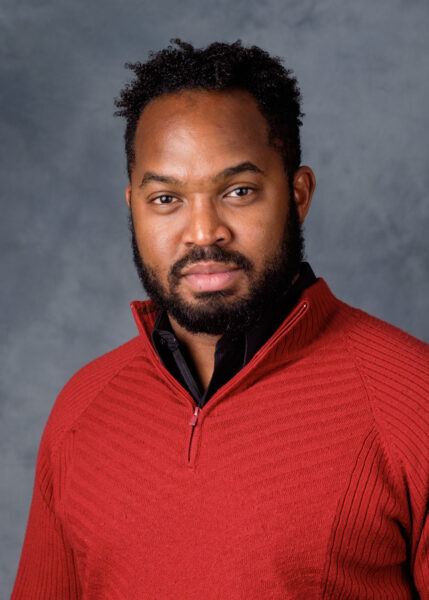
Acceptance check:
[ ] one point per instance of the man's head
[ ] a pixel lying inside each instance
(216, 197)
(219, 67)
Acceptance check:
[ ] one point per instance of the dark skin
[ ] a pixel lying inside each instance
(205, 173)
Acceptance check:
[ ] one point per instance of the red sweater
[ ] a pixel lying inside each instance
(306, 476)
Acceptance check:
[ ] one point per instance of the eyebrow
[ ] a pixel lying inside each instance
(228, 172)
(149, 176)
(241, 168)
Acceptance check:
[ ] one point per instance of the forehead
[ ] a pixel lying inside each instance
(201, 128)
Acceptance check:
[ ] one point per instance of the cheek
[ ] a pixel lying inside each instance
(155, 246)
(264, 238)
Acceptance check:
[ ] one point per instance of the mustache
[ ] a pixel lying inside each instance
(209, 253)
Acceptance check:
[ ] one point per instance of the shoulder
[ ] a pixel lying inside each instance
(393, 365)
(85, 385)
(373, 340)
(394, 368)
(384, 349)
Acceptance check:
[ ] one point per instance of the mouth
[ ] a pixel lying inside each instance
(210, 276)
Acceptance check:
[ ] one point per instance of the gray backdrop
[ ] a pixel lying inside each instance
(67, 275)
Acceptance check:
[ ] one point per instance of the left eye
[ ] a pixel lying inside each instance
(241, 191)
(164, 199)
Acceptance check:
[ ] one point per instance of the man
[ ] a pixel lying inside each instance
(259, 438)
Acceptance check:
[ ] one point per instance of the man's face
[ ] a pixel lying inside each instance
(215, 234)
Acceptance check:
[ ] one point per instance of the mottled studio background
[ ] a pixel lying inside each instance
(67, 275)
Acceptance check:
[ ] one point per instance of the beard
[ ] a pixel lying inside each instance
(216, 312)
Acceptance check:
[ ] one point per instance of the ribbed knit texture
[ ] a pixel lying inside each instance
(306, 476)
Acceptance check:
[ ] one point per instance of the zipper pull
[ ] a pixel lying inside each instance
(194, 418)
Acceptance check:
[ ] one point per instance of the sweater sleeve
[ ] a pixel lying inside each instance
(46, 569)
(395, 368)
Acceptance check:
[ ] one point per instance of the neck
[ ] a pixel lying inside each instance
(201, 348)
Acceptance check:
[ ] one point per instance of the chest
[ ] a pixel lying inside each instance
(248, 499)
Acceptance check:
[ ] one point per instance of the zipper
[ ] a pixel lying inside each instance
(193, 423)
(182, 393)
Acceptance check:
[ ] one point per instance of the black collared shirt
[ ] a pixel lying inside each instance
(232, 352)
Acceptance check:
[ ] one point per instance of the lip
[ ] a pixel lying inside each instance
(209, 268)
(210, 277)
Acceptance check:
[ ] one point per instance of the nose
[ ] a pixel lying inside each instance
(205, 225)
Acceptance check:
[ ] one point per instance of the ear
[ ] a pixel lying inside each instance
(304, 184)
(128, 195)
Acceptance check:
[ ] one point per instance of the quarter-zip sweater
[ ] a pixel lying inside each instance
(305, 476)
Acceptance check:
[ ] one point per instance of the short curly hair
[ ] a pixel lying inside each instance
(218, 67)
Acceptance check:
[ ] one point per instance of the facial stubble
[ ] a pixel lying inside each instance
(217, 312)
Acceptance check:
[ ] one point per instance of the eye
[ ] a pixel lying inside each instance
(240, 192)
(164, 199)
